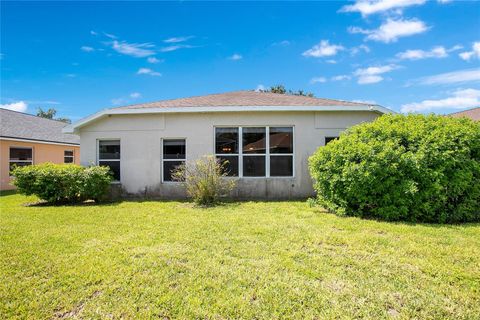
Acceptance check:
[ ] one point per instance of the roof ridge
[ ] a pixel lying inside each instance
(32, 115)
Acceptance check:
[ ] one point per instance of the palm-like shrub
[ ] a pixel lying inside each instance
(204, 179)
(412, 168)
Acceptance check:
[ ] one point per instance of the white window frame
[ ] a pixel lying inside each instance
(267, 153)
(16, 161)
(72, 156)
(167, 160)
(119, 160)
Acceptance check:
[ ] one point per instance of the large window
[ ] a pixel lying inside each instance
(255, 151)
(20, 157)
(68, 156)
(174, 154)
(109, 155)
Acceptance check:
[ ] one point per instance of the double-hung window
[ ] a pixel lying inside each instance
(255, 151)
(109, 155)
(20, 156)
(174, 154)
(68, 156)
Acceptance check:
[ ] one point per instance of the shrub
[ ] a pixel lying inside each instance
(412, 168)
(62, 183)
(204, 180)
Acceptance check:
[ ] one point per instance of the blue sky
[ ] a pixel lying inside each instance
(408, 55)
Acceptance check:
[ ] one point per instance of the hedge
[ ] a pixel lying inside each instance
(63, 183)
(412, 168)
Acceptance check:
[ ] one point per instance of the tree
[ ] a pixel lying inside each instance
(280, 89)
(50, 114)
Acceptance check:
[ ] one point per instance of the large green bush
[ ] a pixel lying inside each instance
(63, 183)
(411, 168)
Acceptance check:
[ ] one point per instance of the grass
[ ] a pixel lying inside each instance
(245, 260)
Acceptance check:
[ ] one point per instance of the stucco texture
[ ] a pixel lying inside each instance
(141, 140)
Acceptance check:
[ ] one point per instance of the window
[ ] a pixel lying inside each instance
(68, 156)
(109, 155)
(281, 151)
(329, 139)
(255, 151)
(174, 154)
(20, 157)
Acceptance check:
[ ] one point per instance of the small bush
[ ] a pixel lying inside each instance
(204, 180)
(412, 168)
(62, 183)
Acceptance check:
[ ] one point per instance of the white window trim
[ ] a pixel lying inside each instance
(16, 161)
(119, 160)
(267, 155)
(72, 156)
(167, 160)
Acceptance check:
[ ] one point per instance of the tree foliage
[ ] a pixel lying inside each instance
(280, 89)
(413, 168)
(50, 114)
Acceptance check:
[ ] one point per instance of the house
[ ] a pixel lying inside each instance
(267, 139)
(473, 114)
(26, 139)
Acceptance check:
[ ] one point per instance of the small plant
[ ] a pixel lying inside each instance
(204, 179)
(62, 183)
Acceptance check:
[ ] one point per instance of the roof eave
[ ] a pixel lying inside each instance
(73, 128)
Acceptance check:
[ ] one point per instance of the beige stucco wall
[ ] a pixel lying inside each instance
(41, 152)
(141, 135)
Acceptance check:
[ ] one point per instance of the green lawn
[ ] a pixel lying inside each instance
(247, 260)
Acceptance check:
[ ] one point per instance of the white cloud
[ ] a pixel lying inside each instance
(323, 49)
(474, 53)
(341, 77)
(318, 80)
(19, 106)
(373, 74)
(111, 36)
(138, 50)
(392, 30)
(460, 76)
(283, 43)
(444, 1)
(367, 7)
(135, 95)
(123, 100)
(176, 47)
(177, 39)
(87, 48)
(148, 71)
(93, 33)
(153, 60)
(356, 50)
(260, 87)
(459, 99)
(331, 61)
(436, 52)
(235, 56)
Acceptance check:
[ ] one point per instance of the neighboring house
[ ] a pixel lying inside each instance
(473, 114)
(26, 139)
(266, 137)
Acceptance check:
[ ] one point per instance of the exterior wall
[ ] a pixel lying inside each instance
(42, 152)
(141, 139)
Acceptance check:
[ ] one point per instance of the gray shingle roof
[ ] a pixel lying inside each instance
(26, 126)
(244, 98)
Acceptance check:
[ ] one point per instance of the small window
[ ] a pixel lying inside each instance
(281, 151)
(109, 155)
(254, 140)
(329, 139)
(20, 157)
(68, 156)
(227, 149)
(174, 154)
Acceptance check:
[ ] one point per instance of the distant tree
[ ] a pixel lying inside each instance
(50, 114)
(280, 88)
